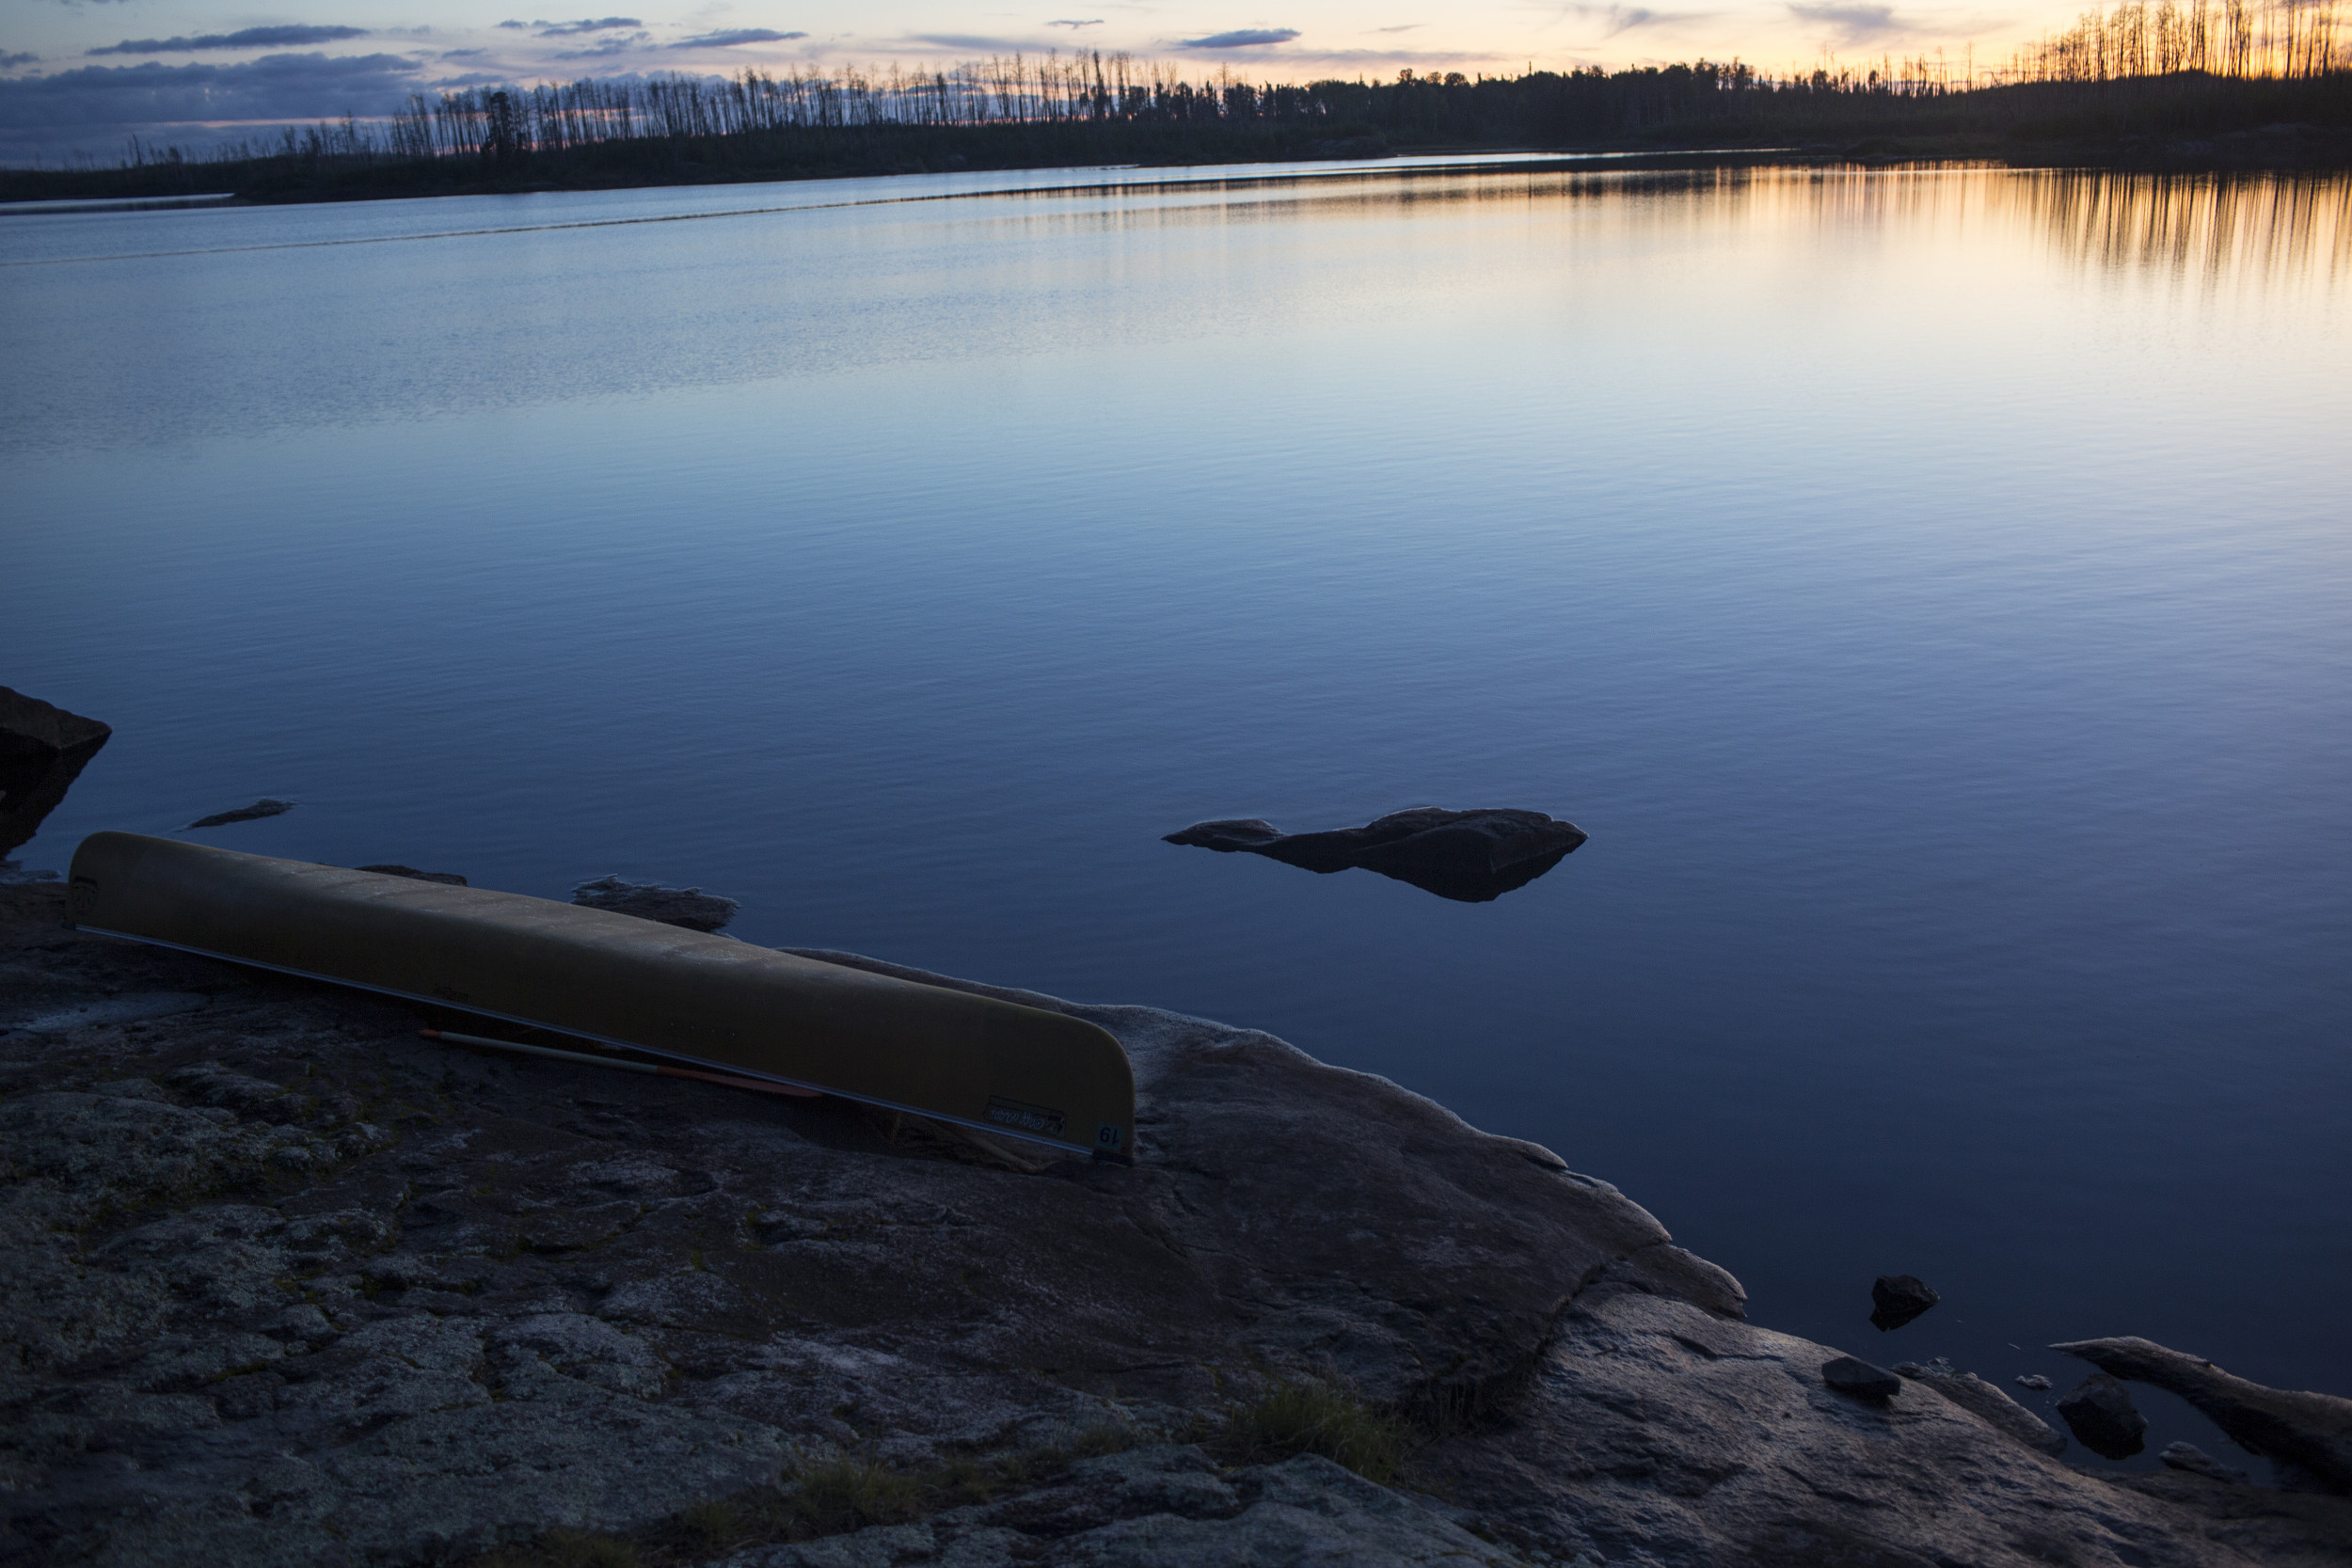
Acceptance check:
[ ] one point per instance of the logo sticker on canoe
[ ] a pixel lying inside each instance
(1034, 1119)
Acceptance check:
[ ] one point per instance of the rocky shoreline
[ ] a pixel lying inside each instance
(285, 1283)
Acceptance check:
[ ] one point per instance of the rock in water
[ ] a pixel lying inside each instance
(1850, 1374)
(2032, 1380)
(2308, 1433)
(2102, 1416)
(1469, 856)
(2197, 1462)
(259, 809)
(689, 907)
(449, 877)
(1898, 1298)
(43, 749)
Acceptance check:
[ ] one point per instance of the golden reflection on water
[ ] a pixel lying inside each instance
(2199, 229)
(2195, 228)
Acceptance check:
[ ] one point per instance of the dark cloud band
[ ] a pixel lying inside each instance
(252, 37)
(1241, 38)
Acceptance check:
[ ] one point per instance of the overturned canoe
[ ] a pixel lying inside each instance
(694, 997)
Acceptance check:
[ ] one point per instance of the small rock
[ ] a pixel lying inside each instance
(451, 878)
(689, 907)
(1898, 1298)
(2197, 1462)
(2100, 1412)
(2032, 1380)
(1468, 856)
(1851, 1375)
(263, 807)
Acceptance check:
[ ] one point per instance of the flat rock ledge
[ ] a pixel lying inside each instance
(281, 1283)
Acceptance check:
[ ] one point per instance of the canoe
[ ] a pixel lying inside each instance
(689, 996)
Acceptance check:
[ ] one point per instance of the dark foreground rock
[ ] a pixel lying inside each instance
(254, 812)
(283, 1284)
(2308, 1433)
(1898, 1298)
(43, 749)
(689, 907)
(2100, 1413)
(1470, 856)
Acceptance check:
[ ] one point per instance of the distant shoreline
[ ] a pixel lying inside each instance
(2188, 123)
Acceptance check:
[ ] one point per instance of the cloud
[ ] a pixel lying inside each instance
(976, 42)
(10, 61)
(733, 35)
(1852, 23)
(252, 37)
(1089, 22)
(1241, 38)
(273, 88)
(1616, 18)
(572, 29)
(602, 48)
(1402, 27)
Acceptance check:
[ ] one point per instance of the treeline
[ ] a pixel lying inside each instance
(1095, 109)
(2243, 40)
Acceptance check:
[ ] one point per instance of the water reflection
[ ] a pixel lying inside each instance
(2208, 229)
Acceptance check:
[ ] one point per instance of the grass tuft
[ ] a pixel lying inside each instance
(1323, 1417)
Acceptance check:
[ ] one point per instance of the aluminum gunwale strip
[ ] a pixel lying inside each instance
(988, 1127)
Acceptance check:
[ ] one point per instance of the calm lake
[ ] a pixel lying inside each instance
(1931, 589)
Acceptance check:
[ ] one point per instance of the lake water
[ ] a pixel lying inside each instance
(1932, 589)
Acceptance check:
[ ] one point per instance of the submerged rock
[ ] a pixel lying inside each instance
(689, 907)
(43, 749)
(1469, 856)
(2100, 1412)
(449, 877)
(2312, 1433)
(259, 809)
(1898, 1298)
(1851, 1374)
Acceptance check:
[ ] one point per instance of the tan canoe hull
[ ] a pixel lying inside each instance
(1009, 1069)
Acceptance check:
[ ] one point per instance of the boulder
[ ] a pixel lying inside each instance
(689, 907)
(2310, 1432)
(1470, 856)
(2100, 1412)
(1898, 1298)
(2032, 1380)
(43, 749)
(1851, 1374)
(254, 812)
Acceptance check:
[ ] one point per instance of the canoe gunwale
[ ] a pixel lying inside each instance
(993, 1129)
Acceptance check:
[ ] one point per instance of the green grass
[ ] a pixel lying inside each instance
(829, 1497)
(1323, 1417)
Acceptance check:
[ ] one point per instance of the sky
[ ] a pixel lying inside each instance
(83, 74)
